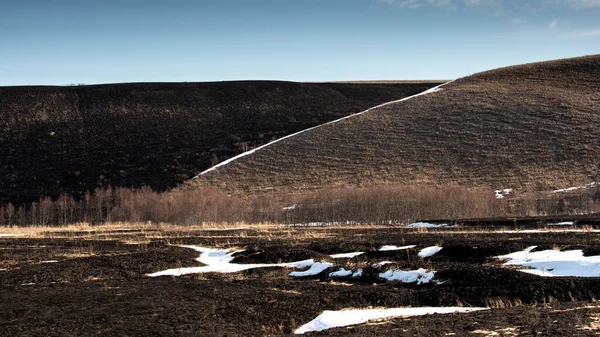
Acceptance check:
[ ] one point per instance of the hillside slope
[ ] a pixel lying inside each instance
(73, 139)
(534, 127)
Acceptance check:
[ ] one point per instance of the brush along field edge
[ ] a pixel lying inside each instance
(225, 162)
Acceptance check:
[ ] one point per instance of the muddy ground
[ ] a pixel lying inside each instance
(99, 287)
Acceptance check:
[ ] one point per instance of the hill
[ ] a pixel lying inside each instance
(72, 139)
(528, 127)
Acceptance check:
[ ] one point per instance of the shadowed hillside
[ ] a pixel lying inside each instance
(533, 127)
(73, 139)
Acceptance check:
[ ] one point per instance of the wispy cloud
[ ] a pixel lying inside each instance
(519, 21)
(553, 24)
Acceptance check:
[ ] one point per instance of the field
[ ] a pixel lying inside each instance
(86, 280)
(528, 127)
(403, 208)
(74, 139)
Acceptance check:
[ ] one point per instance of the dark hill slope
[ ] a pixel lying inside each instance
(534, 126)
(72, 139)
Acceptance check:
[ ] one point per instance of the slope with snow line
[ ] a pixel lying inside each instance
(225, 162)
(527, 127)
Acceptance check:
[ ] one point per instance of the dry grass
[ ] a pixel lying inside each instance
(528, 127)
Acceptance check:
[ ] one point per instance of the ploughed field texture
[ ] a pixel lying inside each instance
(534, 127)
(73, 139)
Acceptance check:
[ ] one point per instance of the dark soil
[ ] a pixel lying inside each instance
(73, 139)
(99, 287)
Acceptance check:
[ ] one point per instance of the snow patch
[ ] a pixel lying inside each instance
(346, 255)
(427, 225)
(341, 273)
(429, 251)
(382, 263)
(332, 319)
(420, 276)
(501, 193)
(563, 223)
(358, 273)
(552, 263)
(289, 208)
(575, 188)
(218, 261)
(315, 269)
(388, 248)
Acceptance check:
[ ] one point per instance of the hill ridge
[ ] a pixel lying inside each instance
(72, 139)
(221, 164)
(532, 127)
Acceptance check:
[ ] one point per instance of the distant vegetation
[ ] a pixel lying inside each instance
(74, 139)
(373, 205)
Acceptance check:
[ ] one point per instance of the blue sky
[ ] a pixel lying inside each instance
(106, 41)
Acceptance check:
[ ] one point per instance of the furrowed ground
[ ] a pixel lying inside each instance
(529, 127)
(82, 281)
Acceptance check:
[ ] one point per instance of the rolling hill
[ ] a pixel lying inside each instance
(73, 139)
(529, 127)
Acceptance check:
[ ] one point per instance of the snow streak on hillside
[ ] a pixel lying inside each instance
(225, 162)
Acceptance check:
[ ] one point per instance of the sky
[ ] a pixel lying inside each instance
(63, 42)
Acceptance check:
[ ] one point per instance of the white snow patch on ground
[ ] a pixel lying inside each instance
(408, 276)
(427, 225)
(346, 255)
(563, 223)
(332, 319)
(6, 235)
(218, 261)
(555, 263)
(574, 188)
(388, 248)
(429, 251)
(501, 193)
(225, 162)
(315, 269)
(50, 261)
(382, 263)
(341, 273)
(288, 208)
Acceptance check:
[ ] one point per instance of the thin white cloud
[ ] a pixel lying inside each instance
(519, 21)
(553, 24)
